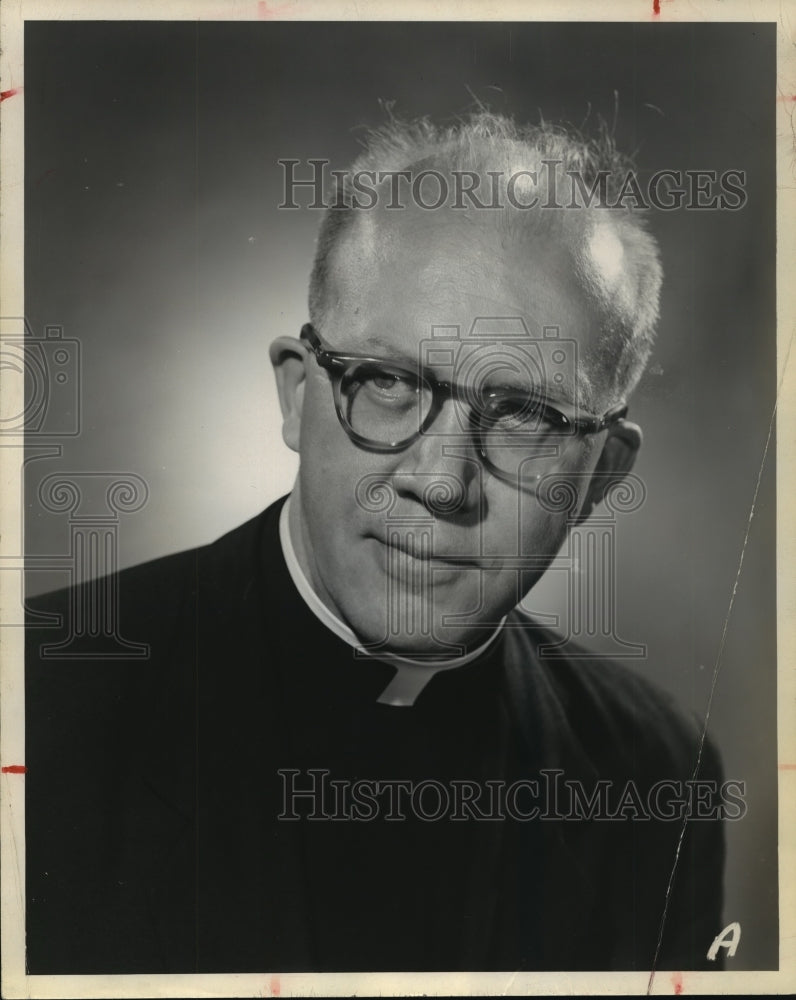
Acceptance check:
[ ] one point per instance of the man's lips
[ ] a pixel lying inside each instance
(412, 547)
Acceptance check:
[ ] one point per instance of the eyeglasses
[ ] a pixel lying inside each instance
(386, 405)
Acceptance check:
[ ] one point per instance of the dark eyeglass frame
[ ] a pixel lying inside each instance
(338, 364)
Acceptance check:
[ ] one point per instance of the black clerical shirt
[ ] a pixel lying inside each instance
(170, 800)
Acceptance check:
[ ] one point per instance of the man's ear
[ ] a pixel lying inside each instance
(288, 356)
(616, 460)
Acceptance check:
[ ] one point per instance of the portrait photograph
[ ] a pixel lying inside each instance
(396, 588)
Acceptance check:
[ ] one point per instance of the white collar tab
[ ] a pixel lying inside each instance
(411, 676)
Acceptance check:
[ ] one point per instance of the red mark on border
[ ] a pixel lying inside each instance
(275, 986)
(787, 97)
(14, 769)
(677, 983)
(787, 767)
(265, 13)
(656, 7)
(5, 94)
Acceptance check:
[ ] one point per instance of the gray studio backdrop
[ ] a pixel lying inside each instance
(154, 240)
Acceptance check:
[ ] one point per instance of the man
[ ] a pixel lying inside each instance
(269, 790)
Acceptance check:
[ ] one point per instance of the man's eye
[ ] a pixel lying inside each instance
(506, 408)
(391, 383)
(388, 388)
(387, 383)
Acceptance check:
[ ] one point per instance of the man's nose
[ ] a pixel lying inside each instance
(441, 469)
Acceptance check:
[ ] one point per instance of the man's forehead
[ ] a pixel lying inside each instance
(398, 287)
(433, 252)
(498, 337)
(442, 260)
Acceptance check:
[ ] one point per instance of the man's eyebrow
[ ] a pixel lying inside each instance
(579, 393)
(576, 392)
(389, 351)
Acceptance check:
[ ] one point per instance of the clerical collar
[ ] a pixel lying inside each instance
(411, 675)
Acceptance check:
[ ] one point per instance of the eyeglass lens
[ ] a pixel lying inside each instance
(387, 405)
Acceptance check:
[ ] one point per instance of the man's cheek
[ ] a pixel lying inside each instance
(543, 536)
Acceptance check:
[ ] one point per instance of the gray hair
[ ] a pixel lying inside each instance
(626, 296)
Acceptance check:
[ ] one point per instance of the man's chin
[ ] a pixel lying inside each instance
(441, 642)
(417, 609)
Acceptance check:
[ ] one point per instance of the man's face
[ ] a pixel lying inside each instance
(424, 550)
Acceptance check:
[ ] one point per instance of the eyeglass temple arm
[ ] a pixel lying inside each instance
(324, 358)
(308, 333)
(609, 418)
